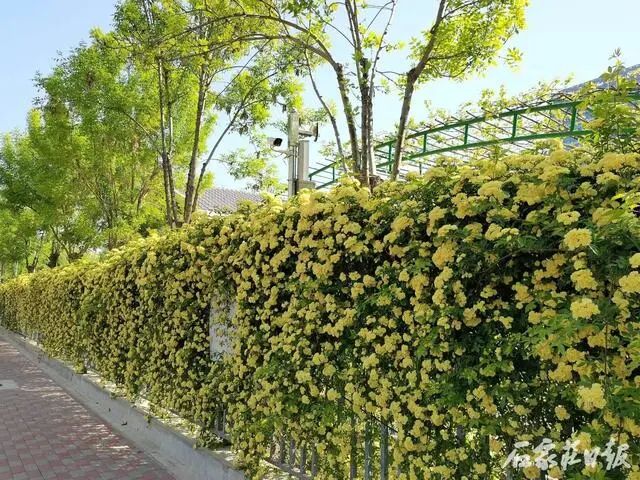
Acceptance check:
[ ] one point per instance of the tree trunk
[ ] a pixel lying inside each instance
(351, 124)
(402, 125)
(189, 195)
(54, 256)
(171, 213)
(412, 77)
(163, 156)
(205, 164)
(366, 127)
(169, 117)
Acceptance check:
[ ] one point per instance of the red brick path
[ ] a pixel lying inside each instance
(46, 434)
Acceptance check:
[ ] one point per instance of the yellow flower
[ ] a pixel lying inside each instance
(578, 237)
(583, 280)
(607, 177)
(328, 370)
(441, 280)
(551, 173)
(480, 468)
(634, 261)
(630, 283)
(584, 441)
(470, 317)
(591, 398)
(318, 359)
(534, 317)
(493, 232)
(332, 395)
(555, 472)
(303, 376)
(561, 413)
(531, 193)
(401, 223)
(531, 472)
(572, 355)
(419, 282)
(521, 410)
(444, 230)
(495, 445)
(597, 340)
(567, 218)
(584, 308)
(369, 281)
(612, 161)
(522, 293)
(463, 205)
(492, 189)
(562, 373)
(631, 426)
(435, 215)
(444, 254)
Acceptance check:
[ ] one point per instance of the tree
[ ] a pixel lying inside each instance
(23, 243)
(140, 27)
(220, 87)
(33, 181)
(92, 106)
(464, 38)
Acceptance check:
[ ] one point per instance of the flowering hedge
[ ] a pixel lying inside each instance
(468, 309)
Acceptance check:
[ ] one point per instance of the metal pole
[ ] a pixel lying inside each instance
(292, 154)
(303, 161)
(293, 135)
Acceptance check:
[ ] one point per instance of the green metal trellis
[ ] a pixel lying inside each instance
(557, 118)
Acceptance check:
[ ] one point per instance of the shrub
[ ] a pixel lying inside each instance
(468, 309)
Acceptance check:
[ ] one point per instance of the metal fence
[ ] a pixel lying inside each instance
(370, 439)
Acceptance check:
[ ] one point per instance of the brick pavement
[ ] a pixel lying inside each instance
(46, 434)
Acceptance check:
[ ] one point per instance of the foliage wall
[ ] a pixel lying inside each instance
(467, 309)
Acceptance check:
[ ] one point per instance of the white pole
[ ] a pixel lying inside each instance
(303, 161)
(293, 128)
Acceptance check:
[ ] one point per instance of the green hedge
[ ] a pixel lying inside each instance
(139, 318)
(468, 309)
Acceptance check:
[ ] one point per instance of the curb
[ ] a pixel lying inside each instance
(169, 447)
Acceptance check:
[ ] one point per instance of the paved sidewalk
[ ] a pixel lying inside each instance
(46, 434)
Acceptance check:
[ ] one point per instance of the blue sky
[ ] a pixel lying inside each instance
(563, 37)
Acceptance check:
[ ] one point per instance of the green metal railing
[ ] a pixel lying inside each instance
(558, 118)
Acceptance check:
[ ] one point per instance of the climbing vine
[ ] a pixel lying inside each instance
(474, 307)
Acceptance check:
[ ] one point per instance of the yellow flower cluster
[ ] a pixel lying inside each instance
(583, 279)
(577, 238)
(591, 398)
(630, 283)
(568, 218)
(584, 308)
(467, 309)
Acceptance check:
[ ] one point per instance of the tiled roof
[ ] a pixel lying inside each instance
(221, 200)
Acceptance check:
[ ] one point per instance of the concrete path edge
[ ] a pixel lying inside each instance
(172, 449)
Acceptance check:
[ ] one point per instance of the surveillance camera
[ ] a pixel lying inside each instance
(275, 142)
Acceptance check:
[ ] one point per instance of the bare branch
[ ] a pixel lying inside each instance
(320, 50)
(381, 9)
(243, 104)
(382, 37)
(332, 118)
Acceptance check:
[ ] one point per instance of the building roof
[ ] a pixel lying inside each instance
(628, 72)
(225, 200)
